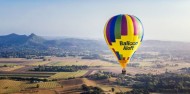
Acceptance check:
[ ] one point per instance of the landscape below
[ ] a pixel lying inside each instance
(33, 64)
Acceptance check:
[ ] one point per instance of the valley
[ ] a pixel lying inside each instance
(65, 82)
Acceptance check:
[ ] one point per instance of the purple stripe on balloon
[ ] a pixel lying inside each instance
(124, 25)
(108, 32)
(134, 25)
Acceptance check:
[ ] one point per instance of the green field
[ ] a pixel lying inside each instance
(63, 75)
(58, 75)
(39, 63)
(80, 63)
(8, 64)
(41, 85)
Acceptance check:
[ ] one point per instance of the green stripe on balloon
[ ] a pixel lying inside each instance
(121, 57)
(118, 27)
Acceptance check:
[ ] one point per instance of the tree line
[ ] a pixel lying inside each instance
(72, 68)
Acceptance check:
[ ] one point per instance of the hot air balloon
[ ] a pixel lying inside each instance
(123, 35)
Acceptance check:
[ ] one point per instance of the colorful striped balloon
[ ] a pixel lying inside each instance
(123, 34)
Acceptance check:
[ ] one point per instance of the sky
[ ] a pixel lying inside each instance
(162, 19)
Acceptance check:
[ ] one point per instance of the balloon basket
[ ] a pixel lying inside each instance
(123, 71)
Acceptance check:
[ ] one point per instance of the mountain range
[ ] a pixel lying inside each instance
(33, 40)
(36, 45)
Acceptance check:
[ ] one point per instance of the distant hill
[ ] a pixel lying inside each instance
(12, 39)
(21, 45)
(34, 40)
(177, 45)
(17, 40)
(165, 46)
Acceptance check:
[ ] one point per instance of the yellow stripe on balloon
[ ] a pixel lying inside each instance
(130, 28)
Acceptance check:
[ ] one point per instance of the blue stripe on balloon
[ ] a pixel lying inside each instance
(132, 55)
(112, 29)
(142, 35)
(117, 53)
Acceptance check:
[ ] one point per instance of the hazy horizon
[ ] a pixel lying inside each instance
(162, 20)
(70, 37)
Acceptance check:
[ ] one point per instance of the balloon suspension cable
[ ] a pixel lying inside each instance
(123, 71)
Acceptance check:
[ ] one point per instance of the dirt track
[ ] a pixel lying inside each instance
(88, 73)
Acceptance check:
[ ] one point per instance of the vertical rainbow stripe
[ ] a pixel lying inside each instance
(117, 27)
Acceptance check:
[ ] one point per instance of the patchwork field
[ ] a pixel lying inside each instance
(11, 86)
(63, 86)
(73, 85)
(20, 68)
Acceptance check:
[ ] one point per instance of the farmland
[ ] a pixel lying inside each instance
(43, 85)
(107, 88)
(20, 68)
(11, 86)
(20, 65)
(77, 61)
(70, 82)
(8, 64)
(10, 68)
(39, 63)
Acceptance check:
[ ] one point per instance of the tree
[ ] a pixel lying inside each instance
(5, 66)
(37, 86)
(85, 87)
(112, 89)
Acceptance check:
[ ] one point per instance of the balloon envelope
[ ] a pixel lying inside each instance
(123, 34)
